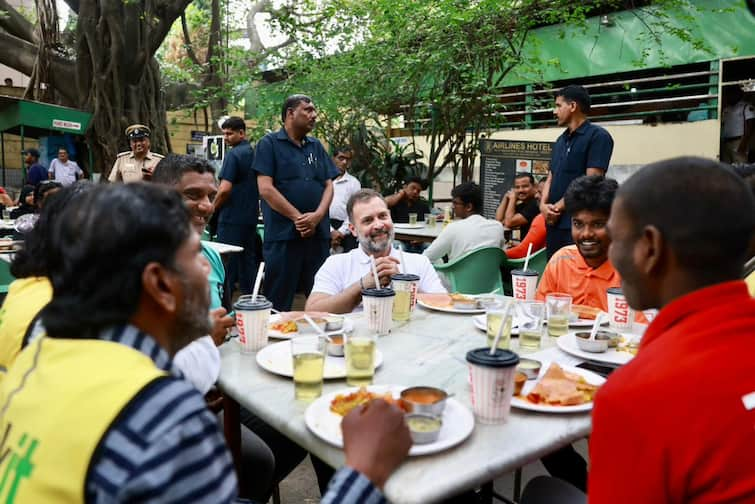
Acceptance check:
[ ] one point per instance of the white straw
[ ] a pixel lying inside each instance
(314, 326)
(260, 272)
(402, 265)
(500, 328)
(527, 261)
(596, 324)
(374, 272)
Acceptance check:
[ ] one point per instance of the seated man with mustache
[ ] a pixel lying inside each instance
(583, 270)
(339, 282)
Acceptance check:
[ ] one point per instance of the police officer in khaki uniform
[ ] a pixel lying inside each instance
(139, 163)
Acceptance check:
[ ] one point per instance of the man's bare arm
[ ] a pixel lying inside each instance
(344, 302)
(595, 171)
(395, 199)
(224, 192)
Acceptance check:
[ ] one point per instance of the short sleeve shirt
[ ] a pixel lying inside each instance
(65, 173)
(129, 169)
(299, 173)
(36, 175)
(589, 146)
(529, 210)
(400, 212)
(242, 206)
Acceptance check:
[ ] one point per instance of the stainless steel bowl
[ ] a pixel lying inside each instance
(423, 428)
(435, 407)
(334, 322)
(335, 348)
(597, 345)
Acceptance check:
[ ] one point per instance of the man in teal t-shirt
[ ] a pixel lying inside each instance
(194, 178)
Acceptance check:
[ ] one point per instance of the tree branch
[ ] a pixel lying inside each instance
(17, 25)
(165, 13)
(187, 41)
(21, 55)
(73, 5)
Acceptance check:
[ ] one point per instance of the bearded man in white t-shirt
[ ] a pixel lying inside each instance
(339, 282)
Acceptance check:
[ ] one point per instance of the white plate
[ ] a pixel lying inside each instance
(276, 358)
(591, 378)
(568, 343)
(449, 309)
(348, 326)
(458, 421)
(397, 225)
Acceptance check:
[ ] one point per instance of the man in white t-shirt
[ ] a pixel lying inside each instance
(339, 282)
(64, 170)
(341, 239)
(470, 231)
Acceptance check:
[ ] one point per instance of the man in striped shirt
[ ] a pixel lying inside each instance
(120, 423)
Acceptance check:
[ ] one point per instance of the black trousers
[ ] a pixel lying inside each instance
(290, 267)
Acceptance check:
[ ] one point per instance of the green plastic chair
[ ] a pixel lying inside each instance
(5, 277)
(476, 272)
(538, 260)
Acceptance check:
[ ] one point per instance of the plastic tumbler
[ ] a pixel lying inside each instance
(251, 321)
(378, 308)
(492, 379)
(405, 287)
(524, 284)
(620, 315)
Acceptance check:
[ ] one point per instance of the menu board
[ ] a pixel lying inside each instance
(500, 160)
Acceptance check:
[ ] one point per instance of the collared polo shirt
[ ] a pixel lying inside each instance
(568, 272)
(243, 204)
(589, 146)
(299, 172)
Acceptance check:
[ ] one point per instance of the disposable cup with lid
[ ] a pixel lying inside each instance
(524, 283)
(252, 316)
(492, 379)
(378, 308)
(405, 286)
(620, 315)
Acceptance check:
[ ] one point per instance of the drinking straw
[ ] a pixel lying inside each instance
(402, 264)
(596, 324)
(500, 328)
(314, 326)
(374, 272)
(527, 260)
(260, 272)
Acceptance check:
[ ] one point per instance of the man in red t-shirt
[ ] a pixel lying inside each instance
(677, 424)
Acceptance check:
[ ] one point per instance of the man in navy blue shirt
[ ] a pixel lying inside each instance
(295, 178)
(583, 149)
(237, 203)
(35, 172)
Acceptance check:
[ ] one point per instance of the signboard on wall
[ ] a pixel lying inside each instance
(500, 160)
(214, 147)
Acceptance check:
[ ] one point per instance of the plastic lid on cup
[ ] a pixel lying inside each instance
(501, 358)
(384, 292)
(405, 277)
(615, 290)
(246, 304)
(523, 272)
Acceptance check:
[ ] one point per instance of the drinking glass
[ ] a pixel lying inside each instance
(308, 353)
(359, 349)
(530, 315)
(494, 319)
(558, 306)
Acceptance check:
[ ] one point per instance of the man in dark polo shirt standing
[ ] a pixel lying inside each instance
(295, 178)
(237, 204)
(583, 149)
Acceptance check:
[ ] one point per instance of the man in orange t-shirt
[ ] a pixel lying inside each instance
(583, 270)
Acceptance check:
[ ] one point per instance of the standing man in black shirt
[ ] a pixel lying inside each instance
(519, 205)
(582, 149)
(237, 204)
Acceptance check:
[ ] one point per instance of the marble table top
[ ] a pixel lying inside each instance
(428, 350)
(424, 232)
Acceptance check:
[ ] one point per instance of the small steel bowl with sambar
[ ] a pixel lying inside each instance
(425, 400)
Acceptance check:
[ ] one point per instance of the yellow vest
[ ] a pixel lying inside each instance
(69, 394)
(26, 297)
